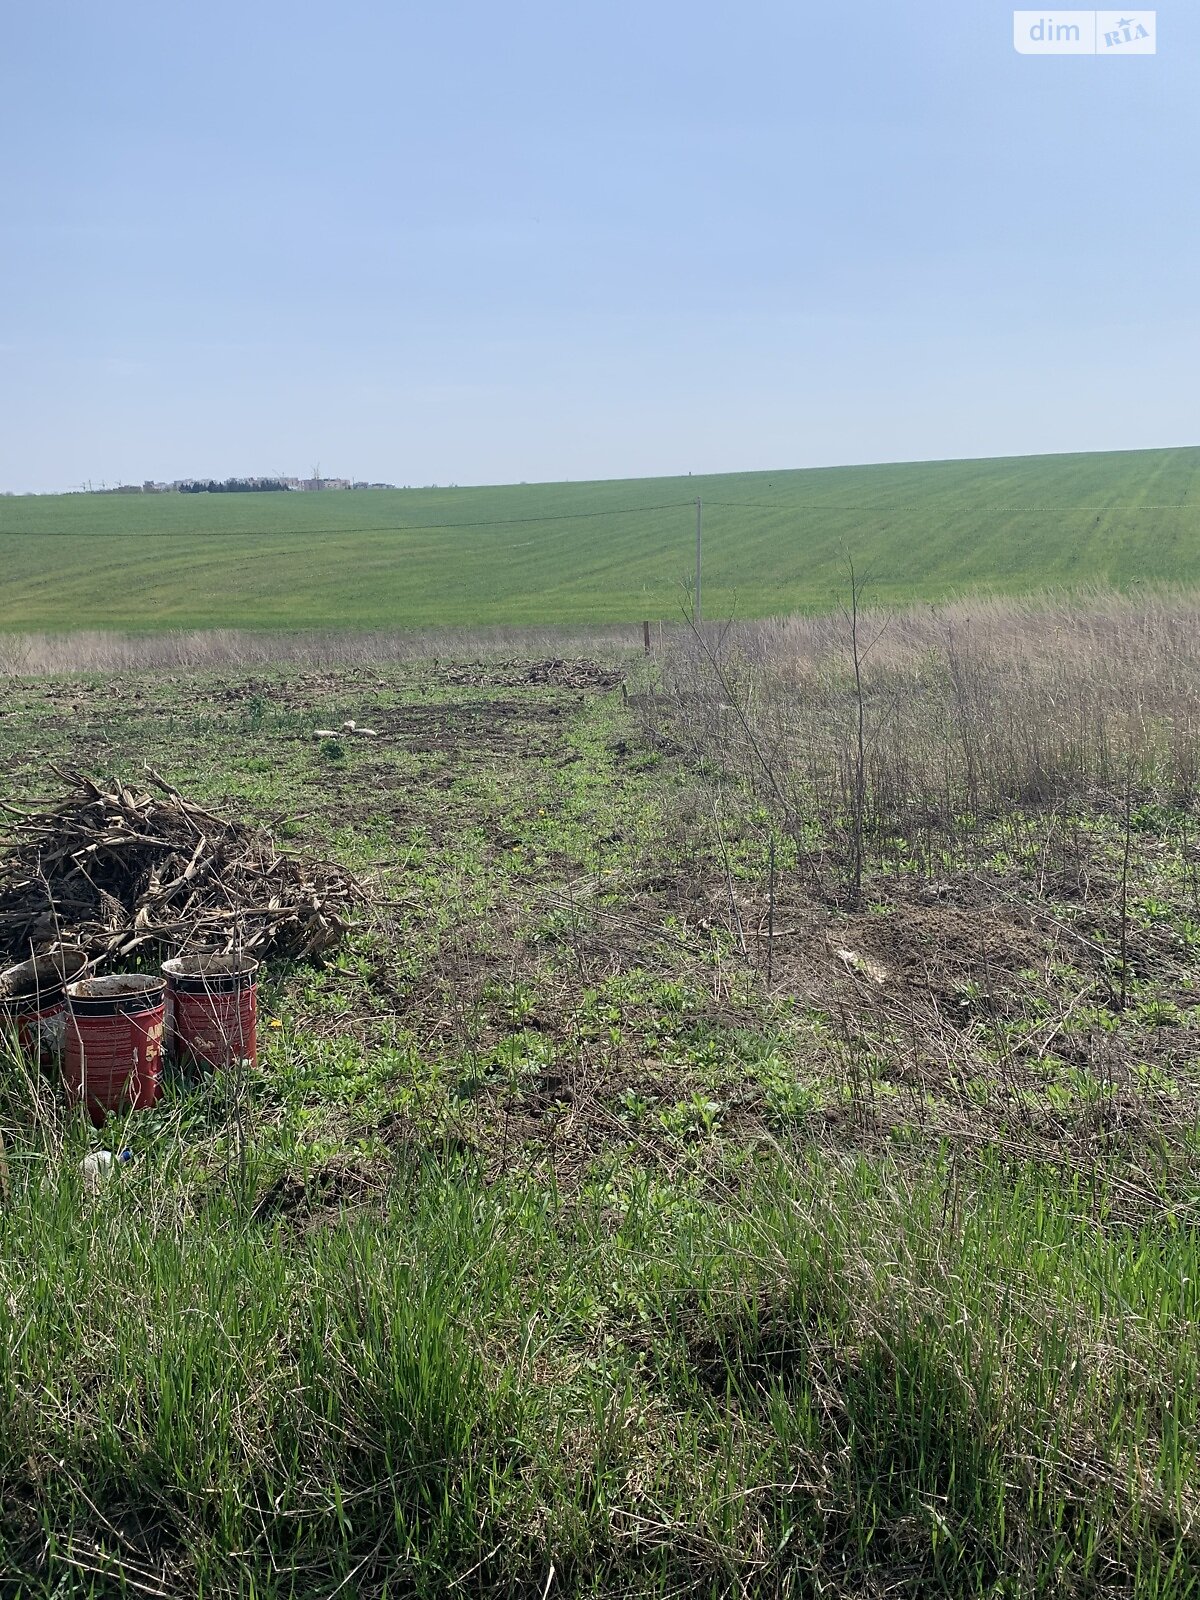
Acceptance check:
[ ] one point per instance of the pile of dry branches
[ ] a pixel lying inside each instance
(115, 870)
(553, 671)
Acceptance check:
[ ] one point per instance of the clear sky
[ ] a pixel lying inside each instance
(467, 242)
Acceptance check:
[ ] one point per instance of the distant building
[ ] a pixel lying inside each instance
(272, 480)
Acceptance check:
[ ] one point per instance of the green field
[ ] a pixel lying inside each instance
(579, 553)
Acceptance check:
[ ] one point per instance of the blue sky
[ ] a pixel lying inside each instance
(465, 242)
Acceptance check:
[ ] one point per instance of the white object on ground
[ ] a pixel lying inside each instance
(346, 727)
(96, 1167)
(874, 970)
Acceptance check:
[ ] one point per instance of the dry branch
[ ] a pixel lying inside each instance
(114, 870)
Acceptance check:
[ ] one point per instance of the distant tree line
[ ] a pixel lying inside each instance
(233, 486)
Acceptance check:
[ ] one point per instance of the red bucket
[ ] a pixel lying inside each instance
(113, 1055)
(33, 1003)
(212, 1010)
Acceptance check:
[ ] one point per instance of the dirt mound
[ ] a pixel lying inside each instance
(940, 947)
(113, 869)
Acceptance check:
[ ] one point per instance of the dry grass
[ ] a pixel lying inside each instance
(978, 855)
(31, 655)
(966, 709)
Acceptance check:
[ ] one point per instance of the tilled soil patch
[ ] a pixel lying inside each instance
(559, 674)
(528, 727)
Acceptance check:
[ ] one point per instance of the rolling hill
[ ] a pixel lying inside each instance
(615, 551)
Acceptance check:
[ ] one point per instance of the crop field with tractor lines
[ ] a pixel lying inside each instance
(747, 1143)
(573, 554)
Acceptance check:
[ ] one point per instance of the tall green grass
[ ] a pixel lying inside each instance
(840, 1377)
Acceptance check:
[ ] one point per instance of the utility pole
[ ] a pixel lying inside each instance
(699, 547)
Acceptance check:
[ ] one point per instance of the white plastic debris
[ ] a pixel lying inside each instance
(864, 965)
(346, 727)
(97, 1166)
